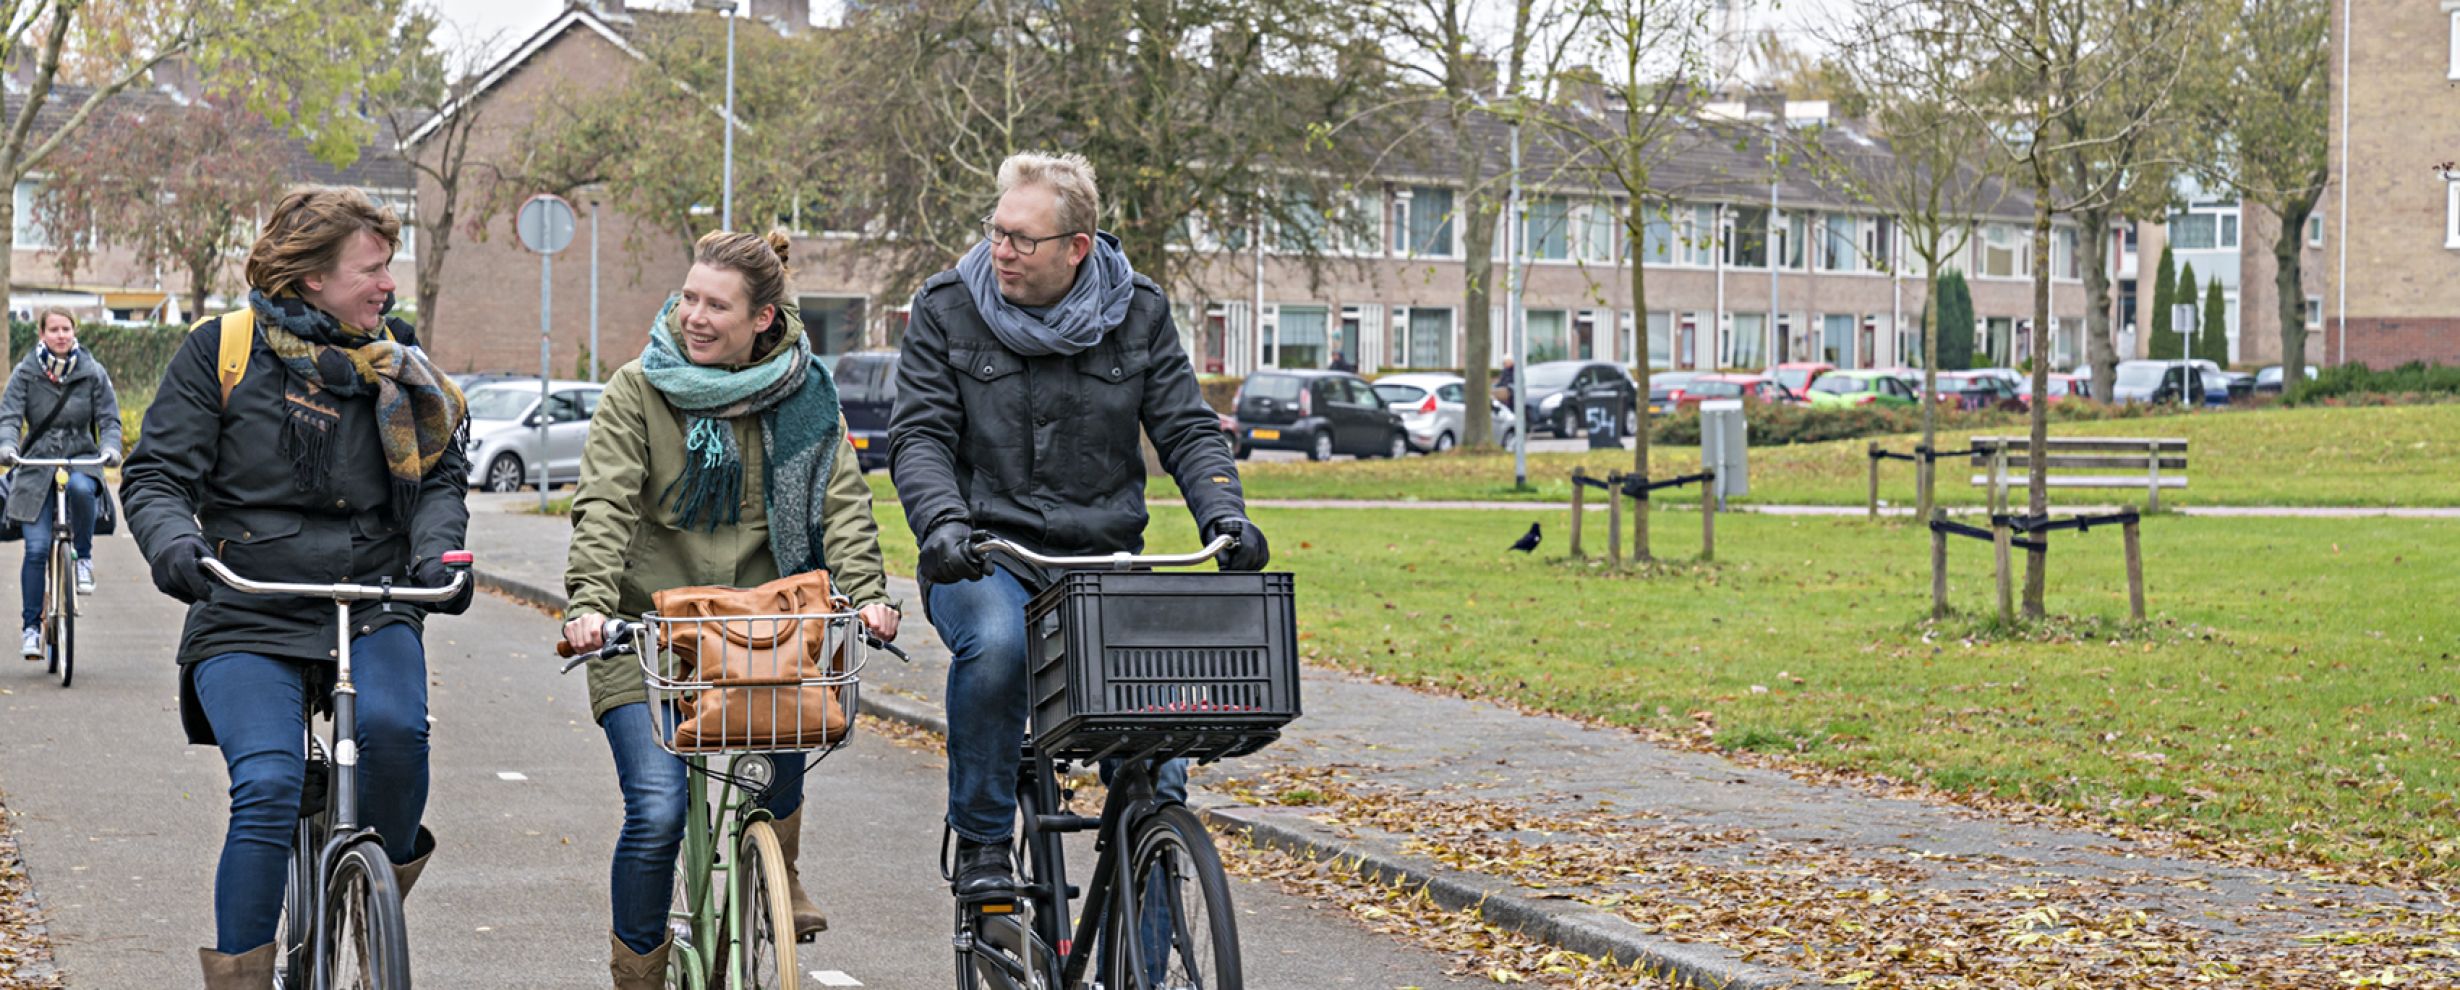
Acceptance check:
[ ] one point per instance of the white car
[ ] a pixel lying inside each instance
(504, 441)
(1433, 411)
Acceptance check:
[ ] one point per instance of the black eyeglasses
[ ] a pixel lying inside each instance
(1023, 244)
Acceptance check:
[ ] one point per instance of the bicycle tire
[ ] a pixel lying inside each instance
(294, 932)
(363, 943)
(764, 912)
(66, 647)
(1171, 858)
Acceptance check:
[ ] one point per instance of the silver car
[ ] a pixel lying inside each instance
(1433, 412)
(505, 445)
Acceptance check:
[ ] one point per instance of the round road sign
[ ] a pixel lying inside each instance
(545, 223)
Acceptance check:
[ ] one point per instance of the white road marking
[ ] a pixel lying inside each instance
(834, 978)
(510, 775)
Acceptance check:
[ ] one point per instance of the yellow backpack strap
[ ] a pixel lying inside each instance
(238, 336)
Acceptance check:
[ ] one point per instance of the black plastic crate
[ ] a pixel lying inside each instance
(1196, 664)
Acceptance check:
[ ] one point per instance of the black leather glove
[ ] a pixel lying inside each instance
(178, 571)
(1251, 554)
(431, 573)
(948, 555)
(111, 458)
(8, 457)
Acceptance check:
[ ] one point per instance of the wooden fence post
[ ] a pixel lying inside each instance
(2135, 573)
(1614, 520)
(1938, 567)
(1874, 455)
(1708, 517)
(1998, 479)
(1579, 509)
(2000, 537)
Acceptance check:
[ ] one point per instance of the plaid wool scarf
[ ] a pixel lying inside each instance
(418, 410)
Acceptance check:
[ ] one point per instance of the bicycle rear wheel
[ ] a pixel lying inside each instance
(296, 931)
(763, 914)
(364, 944)
(1179, 932)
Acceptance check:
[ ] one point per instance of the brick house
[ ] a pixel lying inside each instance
(2396, 296)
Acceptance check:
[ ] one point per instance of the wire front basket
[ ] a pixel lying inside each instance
(754, 684)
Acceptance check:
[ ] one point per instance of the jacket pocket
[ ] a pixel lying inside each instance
(259, 545)
(998, 436)
(1112, 380)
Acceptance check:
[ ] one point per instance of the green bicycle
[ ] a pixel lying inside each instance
(732, 922)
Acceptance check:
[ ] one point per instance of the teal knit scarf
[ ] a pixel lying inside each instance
(796, 401)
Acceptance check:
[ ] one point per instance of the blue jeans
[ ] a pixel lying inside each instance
(82, 490)
(983, 623)
(258, 707)
(641, 881)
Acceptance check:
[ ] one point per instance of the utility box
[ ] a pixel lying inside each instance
(1725, 446)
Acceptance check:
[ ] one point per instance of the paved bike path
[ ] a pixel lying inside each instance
(1761, 826)
(120, 823)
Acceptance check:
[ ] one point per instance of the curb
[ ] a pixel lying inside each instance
(1575, 928)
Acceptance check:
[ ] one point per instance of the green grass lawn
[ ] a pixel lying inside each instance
(2296, 688)
(2372, 456)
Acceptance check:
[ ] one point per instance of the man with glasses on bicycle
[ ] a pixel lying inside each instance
(1028, 372)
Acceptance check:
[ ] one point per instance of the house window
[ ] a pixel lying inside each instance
(1657, 237)
(1299, 342)
(1746, 237)
(1701, 236)
(1661, 343)
(2000, 252)
(1595, 232)
(1361, 229)
(2192, 231)
(2452, 10)
(2229, 231)
(1793, 235)
(2314, 230)
(2063, 253)
(1430, 223)
(1836, 252)
(2314, 312)
(1304, 226)
(1430, 337)
(1547, 228)
(1836, 339)
(1741, 346)
(1879, 243)
(30, 235)
(1549, 335)
(2451, 213)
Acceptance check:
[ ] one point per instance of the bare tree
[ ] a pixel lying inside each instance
(431, 117)
(2267, 97)
(1924, 177)
(178, 186)
(1625, 114)
(2054, 80)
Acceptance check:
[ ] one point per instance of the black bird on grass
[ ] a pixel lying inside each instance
(1529, 540)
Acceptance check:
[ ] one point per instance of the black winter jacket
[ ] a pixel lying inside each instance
(1043, 450)
(205, 468)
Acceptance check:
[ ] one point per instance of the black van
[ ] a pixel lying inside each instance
(867, 390)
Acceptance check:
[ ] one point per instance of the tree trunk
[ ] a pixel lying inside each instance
(1470, 214)
(1926, 478)
(2289, 280)
(1635, 223)
(2100, 334)
(2037, 485)
(8, 259)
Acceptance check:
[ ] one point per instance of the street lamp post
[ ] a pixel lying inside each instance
(726, 199)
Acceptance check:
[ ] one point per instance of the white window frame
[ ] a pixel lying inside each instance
(2314, 229)
(2314, 312)
(2451, 10)
(2451, 214)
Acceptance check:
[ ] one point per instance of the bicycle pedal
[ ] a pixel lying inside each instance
(994, 905)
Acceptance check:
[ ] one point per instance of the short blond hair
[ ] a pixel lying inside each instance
(1069, 176)
(307, 232)
(42, 320)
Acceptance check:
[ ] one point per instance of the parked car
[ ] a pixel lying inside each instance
(2062, 388)
(1796, 376)
(1434, 410)
(1705, 387)
(1665, 387)
(866, 391)
(2222, 388)
(503, 439)
(2268, 379)
(1840, 389)
(1566, 396)
(2160, 381)
(1978, 390)
(1320, 412)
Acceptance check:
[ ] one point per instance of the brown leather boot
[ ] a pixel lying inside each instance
(808, 921)
(406, 875)
(250, 970)
(634, 971)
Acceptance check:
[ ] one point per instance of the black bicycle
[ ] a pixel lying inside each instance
(1131, 669)
(60, 609)
(341, 921)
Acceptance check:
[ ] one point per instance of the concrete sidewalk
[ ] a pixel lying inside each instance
(1702, 869)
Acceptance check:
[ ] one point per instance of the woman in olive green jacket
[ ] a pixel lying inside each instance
(718, 458)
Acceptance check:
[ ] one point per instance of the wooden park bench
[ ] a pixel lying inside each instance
(2149, 463)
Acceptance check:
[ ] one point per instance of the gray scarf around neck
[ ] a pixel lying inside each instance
(1098, 301)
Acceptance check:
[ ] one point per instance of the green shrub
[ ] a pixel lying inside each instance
(1778, 425)
(2356, 384)
(1955, 322)
(1220, 391)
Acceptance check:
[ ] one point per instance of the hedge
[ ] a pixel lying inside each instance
(2344, 382)
(134, 354)
(1780, 424)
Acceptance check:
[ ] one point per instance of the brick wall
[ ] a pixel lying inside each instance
(2404, 118)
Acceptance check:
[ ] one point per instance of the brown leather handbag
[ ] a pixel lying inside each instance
(757, 667)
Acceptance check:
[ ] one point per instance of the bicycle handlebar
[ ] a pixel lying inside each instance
(340, 592)
(64, 462)
(1121, 560)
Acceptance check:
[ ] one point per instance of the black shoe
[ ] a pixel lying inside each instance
(982, 868)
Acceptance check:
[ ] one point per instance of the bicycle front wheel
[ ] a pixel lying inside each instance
(364, 944)
(1178, 932)
(296, 931)
(763, 915)
(63, 617)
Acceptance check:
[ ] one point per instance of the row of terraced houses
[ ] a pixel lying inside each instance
(1742, 271)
